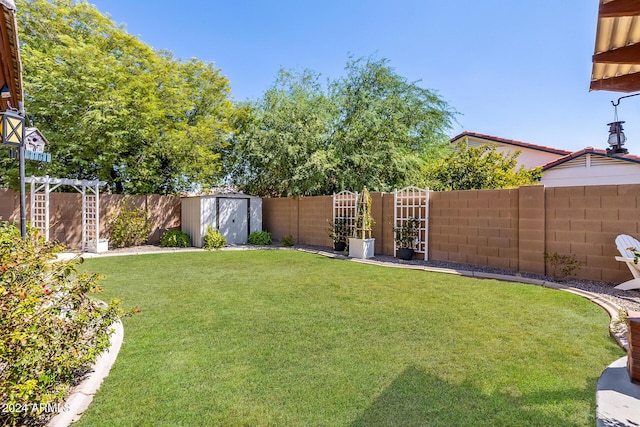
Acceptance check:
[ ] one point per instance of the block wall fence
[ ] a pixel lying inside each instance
(509, 229)
(496, 228)
(65, 213)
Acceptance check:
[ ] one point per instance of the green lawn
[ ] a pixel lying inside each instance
(284, 338)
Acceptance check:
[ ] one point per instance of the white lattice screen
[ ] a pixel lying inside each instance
(39, 215)
(90, 226)
(409, 203)
(345, 205)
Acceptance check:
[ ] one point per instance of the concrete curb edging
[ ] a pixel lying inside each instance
(81, 396)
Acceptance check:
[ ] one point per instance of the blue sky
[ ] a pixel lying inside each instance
(514, 69)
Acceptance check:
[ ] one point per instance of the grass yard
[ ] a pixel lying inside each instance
(284, 338)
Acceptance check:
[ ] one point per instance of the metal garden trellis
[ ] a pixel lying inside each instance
(413, 202)
(90, 190)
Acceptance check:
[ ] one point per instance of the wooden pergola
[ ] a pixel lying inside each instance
(616, 59)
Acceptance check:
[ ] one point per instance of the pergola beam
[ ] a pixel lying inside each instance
(625, 83)
(624, 55)
(618, 8)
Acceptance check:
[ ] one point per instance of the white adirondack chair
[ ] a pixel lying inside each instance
(624, 242)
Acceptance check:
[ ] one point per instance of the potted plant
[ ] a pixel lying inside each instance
(406, 237)
(361, 245)
(339, 232)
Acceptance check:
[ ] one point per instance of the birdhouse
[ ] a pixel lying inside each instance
(34, 140)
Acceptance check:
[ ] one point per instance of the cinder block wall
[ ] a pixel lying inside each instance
(474, 227)
(314, 214)
(530, 236)
(9, 206)
(65, 213)
(585, 221)
(280, 217)
(506, 228)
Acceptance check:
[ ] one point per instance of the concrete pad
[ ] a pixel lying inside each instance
(617, 398)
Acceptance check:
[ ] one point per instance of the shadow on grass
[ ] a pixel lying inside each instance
(419, 399)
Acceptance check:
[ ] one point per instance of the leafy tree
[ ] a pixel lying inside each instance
(371, 128)
(281, 148)
(478, 167)
(387, 127)
(114, 109)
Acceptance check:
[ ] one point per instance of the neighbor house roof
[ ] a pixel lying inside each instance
(616, 59)
(510, 142)
(593, 151)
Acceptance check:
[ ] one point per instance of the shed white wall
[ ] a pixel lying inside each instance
(207, 215)
(592, 170)
(190, 219)
(255, 224)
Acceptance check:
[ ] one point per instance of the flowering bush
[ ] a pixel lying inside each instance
(50, 330)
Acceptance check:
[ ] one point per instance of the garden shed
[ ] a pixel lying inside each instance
(235, 215)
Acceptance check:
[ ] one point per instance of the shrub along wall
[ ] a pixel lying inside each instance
(65, 213)
(496, 228)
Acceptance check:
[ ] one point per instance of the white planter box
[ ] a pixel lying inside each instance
(103, 246)
(361, 248)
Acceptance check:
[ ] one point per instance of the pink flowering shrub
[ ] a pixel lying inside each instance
(50, 330)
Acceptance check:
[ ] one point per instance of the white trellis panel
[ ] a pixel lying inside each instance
(90, 228)
(413, 202)
(39, 216)
(40, 189)
(345, 205)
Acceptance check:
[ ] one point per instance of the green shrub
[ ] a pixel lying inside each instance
(213, 239)
(562, 266)
(50, 330)
(131, 227)
(261, 238)
(287, 240)
(175, 239)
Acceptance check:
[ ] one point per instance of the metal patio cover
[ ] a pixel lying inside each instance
(10, 66)
(616, 59)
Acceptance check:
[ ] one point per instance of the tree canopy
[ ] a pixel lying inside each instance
(371, 127)
(478, 168)
(114, 109)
